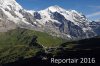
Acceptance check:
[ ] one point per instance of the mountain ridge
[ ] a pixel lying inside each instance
(53, 20)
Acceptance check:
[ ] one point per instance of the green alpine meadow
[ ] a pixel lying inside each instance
(24, 43)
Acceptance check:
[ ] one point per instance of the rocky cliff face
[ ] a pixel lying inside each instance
(95, 25)
(53, 20)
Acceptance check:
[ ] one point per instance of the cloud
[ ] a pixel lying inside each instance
(94, 14)
(95, 7)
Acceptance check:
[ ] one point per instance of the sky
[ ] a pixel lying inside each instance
(90, 8)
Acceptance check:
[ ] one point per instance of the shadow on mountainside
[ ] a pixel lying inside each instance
(87, 48)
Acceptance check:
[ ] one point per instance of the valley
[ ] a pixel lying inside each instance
(29, 37)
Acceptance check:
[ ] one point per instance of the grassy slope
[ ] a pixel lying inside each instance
(11, 54)
(87, 48)
(14, 44)
(23, 36)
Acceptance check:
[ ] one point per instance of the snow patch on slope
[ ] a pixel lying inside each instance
(10, 5)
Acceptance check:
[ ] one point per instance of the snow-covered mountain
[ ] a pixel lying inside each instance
(53, 20)
(13, 15)
(63, 23)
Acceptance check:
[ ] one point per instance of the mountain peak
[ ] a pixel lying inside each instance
(55, 8)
